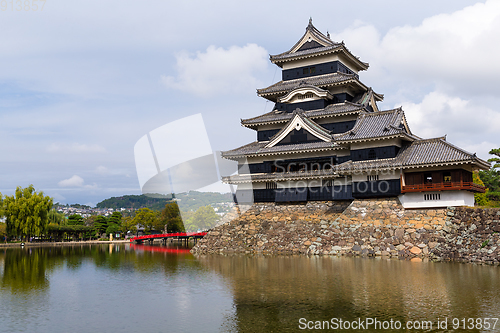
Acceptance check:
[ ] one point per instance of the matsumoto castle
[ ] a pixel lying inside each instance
(326, 139)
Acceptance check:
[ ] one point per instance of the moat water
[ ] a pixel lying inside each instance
(127, 288)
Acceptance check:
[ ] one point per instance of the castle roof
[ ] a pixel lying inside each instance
(369, 126)
(419, 153)
(376, 125)
(259, 148)
(314, 43)
(275, 116)
(323, 81)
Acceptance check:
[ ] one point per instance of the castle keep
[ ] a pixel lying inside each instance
(327, 140)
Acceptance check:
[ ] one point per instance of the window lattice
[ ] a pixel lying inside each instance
(432, 196)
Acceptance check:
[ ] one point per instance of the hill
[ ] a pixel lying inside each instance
(187, 201)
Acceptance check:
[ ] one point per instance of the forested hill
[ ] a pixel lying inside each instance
(189, 201)
(133, 201)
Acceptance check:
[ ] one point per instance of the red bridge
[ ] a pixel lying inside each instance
(164, 237)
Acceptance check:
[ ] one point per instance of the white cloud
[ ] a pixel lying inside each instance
(465, 122)
(449, 46)
(75, 148)
(457, 51)
(219, 70)
(75, 181)
(102, 170)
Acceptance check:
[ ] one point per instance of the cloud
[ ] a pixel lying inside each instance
(457, 50)
(466, 123)
(75, 148)
(75, 181)
(102, 170)
(218, 70)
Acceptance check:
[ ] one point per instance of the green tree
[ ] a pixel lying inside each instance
(26, 212)
(496, 159)
(112, 228)
(116, 218)
(75, 219)
(128, 224)
(56, 217)
(114, 222)
(204, 218)
(491, 179)
(171, 218)
(481, 199)
(100, 224)
(148, 219)
(3, 231)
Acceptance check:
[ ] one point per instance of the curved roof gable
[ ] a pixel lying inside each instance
(313, 43)
(323, 81)
(300, 120)
(304, 89)
(339, 109)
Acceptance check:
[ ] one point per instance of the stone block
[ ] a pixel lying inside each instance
(415, 250)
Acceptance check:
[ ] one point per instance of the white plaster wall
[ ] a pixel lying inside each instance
(448, 198)
(281, 157)
(310, 61)
(343, 89)
(270, 127)
(320, 60)
(376, 143)
(246, 186)
(382, 175)
(338, 119)
(312, 183)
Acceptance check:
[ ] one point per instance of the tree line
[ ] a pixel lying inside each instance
(30, 214)
(491, 180)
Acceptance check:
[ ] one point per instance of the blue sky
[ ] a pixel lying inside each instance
(82, 82)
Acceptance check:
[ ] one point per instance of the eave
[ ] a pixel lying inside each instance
(279, 60)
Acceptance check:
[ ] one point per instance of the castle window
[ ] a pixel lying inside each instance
(313, 70)
(305, 70)
(447, 177)
(428, 178)
(371, 154)
(271, 186)
(327, 182)
(432, 197)
(308, 95)
(372, 178)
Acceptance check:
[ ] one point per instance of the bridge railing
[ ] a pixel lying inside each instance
(169, 235)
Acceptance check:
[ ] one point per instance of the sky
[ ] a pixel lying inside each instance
(82, 82)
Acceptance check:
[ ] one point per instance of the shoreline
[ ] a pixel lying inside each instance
(36, 244)
(362, 227)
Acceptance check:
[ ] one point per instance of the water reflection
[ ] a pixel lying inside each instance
(273, 293)
(109, 288)
(153, 288)
(26, 270)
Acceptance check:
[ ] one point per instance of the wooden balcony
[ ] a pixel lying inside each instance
(445, 186)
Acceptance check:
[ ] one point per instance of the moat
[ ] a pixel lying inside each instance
(117, 288)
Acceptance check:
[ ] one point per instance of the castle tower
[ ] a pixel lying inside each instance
(326, 139)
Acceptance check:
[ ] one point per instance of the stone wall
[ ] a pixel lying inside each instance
(472, 235)
(371, 227)
(272, 228)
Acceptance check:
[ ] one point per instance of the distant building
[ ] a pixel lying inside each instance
(326, 139)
